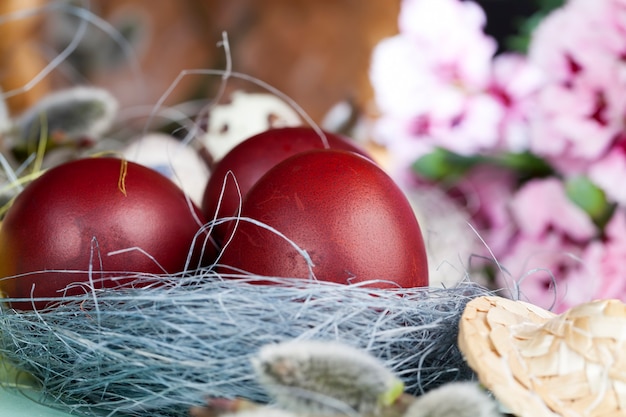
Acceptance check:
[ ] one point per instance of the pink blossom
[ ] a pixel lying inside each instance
(598, 273)
(538, 269)
(581, 112)
(608, 173)
(437, 84)
(604, 262)
(451, 33)
(514, 83)
(474, 128)
(430, 81)
(487, 191)
(543, 258)
(542, 205)
(595, 40)
(401, 77)
(563, 129)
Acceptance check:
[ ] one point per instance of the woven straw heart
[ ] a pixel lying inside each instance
(541, 364)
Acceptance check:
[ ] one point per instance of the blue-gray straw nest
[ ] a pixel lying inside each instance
(157, 350)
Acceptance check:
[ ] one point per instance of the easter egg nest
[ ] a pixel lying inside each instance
(159, 349)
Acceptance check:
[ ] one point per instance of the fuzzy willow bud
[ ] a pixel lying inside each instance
(67, 115)
(314, 377)
(460, 399)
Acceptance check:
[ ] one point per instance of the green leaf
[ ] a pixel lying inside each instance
(589, 197)
(520, 41)
(444, 165)
(549, 5)
(526, 26)
(526, 164)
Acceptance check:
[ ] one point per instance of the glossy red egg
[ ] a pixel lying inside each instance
(76, 215)
(349, 216)
(252, 158)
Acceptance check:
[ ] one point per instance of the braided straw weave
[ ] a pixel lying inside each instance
(541, 364)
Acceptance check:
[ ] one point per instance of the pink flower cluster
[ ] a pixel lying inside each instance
(439, 84)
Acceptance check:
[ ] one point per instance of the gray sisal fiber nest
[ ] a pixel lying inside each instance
(157, 350)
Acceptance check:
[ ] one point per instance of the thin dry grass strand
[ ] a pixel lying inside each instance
(233, 74)
(86, 18)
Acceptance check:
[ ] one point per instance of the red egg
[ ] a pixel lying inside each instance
(76, 215)
(252, 158)
(349, 216)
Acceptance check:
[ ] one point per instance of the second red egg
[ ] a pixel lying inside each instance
(249, 160)
(343, 210)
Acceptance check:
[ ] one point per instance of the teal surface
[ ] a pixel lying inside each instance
(18, 394)
(14, 403)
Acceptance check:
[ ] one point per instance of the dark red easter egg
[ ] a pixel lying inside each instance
(344, 211)
(76, 216)
(252, 158)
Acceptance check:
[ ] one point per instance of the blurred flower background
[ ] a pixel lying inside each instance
(504, 121)
(527, 136)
